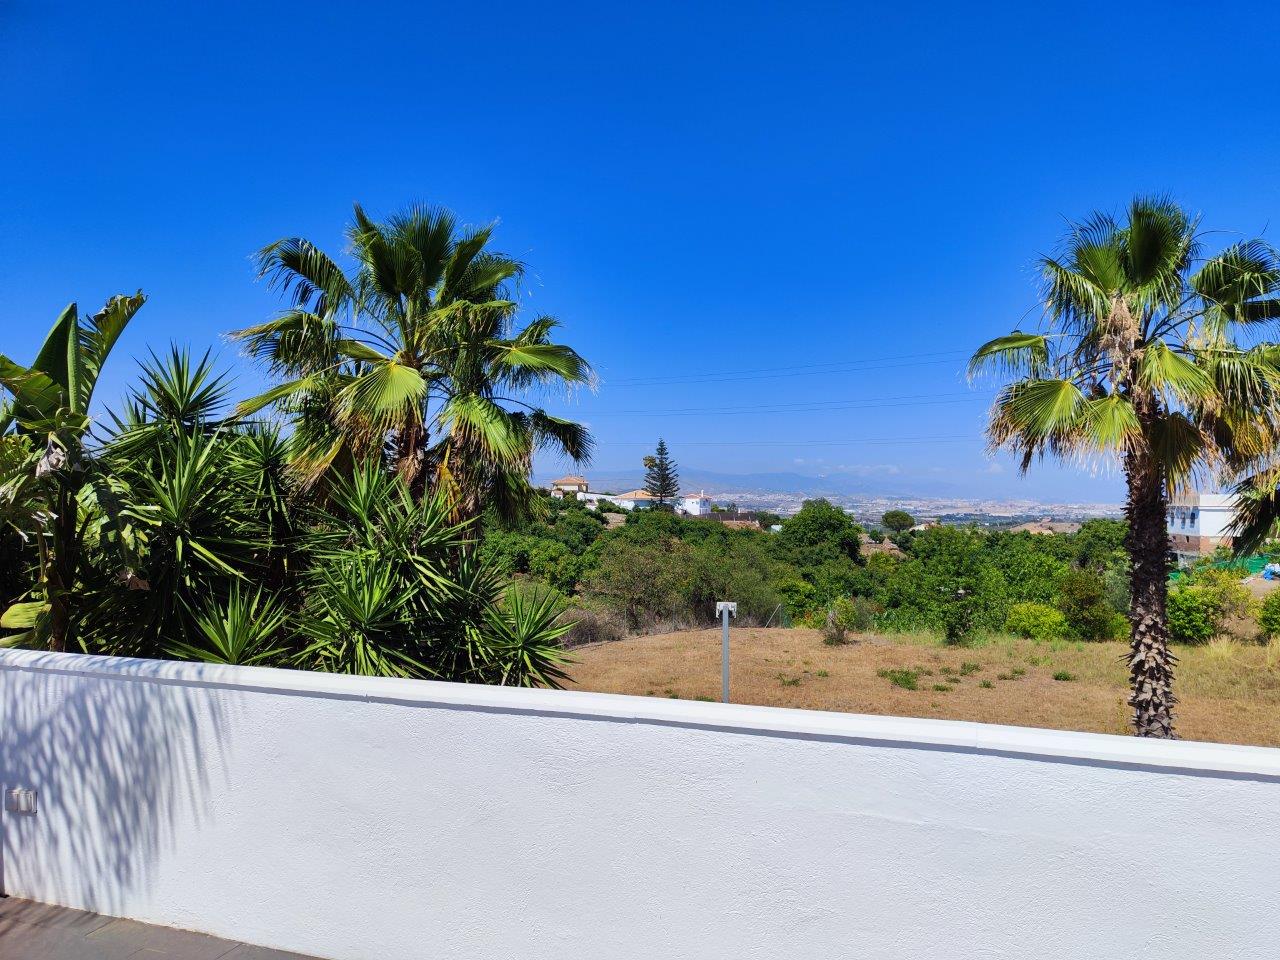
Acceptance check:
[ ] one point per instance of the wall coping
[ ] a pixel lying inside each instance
(1094, 749)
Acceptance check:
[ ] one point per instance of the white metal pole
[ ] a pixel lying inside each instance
(724, 654)
(726, 610)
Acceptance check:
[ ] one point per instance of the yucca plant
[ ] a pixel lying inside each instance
(418, 353)
(521, 646)
(245, 629)
(1152, 356)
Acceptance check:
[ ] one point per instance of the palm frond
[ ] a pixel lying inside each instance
(386, 395)
(1015, 355)
(305, 273)
(1168, 373)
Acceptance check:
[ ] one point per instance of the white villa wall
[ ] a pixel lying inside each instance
(389, 820)
(1202, 515)
(696, 505)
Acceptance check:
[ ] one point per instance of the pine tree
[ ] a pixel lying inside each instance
(660, 478)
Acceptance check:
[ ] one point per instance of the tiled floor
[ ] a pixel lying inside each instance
(36, 931)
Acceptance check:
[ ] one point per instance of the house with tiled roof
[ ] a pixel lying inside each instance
(569, 486)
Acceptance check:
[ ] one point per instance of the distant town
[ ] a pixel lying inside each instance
(869, 508)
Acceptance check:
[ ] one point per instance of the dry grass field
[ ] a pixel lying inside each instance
(1230, 692)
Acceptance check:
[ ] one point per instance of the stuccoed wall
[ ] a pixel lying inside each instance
(384, 820)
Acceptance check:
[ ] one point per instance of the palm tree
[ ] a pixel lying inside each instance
(415, 353)
(50, 408)
(1148, 354)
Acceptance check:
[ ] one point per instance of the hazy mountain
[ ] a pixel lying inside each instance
(839, 484)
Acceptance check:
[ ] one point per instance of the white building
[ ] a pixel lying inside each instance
(694, 504)
(623, 501)
(570, 486)
(633, 500)
(1199, 523)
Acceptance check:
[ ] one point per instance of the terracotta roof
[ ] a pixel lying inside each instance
(634, 495)
(569, 480)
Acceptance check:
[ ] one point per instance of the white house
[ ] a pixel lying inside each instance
(694, 504)
(633, 500)
(570, 486)
(1199, 523)
(623, 501)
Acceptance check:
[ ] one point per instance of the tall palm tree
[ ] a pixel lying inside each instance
(1152, 355)
(415, 354)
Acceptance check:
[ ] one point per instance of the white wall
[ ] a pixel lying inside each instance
(391, 820)
(1201, 515)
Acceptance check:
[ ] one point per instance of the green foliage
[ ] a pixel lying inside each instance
(661, 481)
(1269, 614)
(199, 543)
(523, 647)
(906, 679)
(641, 581)
(1036, 621)
(1209, 603)
(416, 355)
(1191, 615)
(49, 406)
(242, 631)
(820, 532)
(898, 520)
(1151, 355)
(1082, 598)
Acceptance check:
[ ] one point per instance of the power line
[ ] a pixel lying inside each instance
(803, 406)
(788, 443)
(802, 370)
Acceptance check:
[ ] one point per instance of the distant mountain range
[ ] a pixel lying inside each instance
(796, 484)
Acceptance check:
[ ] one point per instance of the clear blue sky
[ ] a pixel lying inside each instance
(698, 189)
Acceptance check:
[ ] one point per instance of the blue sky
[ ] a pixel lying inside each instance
(775, 229)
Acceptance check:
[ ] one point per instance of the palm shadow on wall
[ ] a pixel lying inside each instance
(118, 762)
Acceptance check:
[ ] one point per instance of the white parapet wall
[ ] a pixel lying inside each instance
(369, 819)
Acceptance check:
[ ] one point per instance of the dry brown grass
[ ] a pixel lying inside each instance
(1230, 692)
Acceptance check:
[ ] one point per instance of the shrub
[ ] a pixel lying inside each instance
(1191, 615)
(833, 630)
(1036, 621)
(857, 614)
(906, 679)
(1082, 598)
(1269, 615)
(592, 626)
(1064, 676)
(1229, 598)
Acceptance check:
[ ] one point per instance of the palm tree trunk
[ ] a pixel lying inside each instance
(1147, 543)
(60, 574)
(410, 458)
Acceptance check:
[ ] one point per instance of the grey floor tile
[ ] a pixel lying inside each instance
(23, 942)
(37, 931)
(246, 952)
(44, 915)
(164, 940)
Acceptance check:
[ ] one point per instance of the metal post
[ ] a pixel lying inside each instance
(726, 610)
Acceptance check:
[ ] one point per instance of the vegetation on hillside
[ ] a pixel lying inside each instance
(659, 570)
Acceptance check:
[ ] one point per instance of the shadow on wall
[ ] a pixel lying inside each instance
(117, 763)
